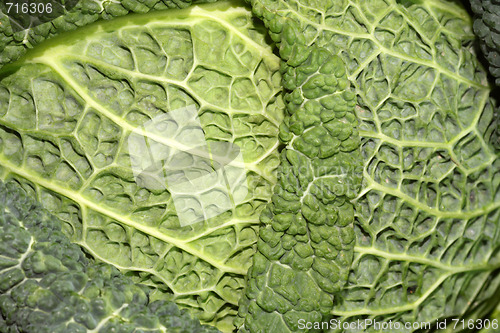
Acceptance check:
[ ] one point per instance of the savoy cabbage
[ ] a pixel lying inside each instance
(427, 213)
(262, 165)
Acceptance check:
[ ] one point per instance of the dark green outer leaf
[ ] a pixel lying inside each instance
(47, 284)
(487, 29)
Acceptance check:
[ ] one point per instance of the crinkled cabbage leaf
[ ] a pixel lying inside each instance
(154, 137)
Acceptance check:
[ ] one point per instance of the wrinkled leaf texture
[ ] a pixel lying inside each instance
(427, 216)
(69, 107)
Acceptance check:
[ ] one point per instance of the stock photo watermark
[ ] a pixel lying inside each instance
(27, 14)
(362, 325)
(205, 179)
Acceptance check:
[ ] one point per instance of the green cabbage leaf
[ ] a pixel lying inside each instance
(427, 214)
(120, 128)
(354, 175)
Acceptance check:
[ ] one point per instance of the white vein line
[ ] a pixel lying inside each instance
(421, 260)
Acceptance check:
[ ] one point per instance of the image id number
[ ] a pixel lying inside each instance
(28, 8)
(475, 324)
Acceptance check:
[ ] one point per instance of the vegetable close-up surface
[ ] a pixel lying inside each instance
(250, 166)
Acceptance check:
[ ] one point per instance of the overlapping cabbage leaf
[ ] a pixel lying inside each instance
(122, 127)
(487, 29)
(49, 285)
(427, 216)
